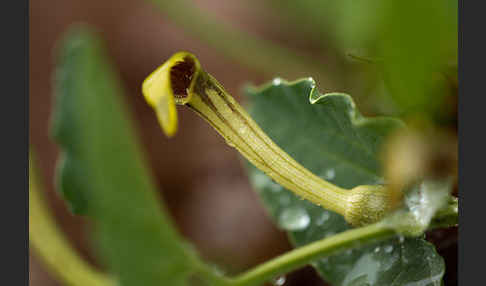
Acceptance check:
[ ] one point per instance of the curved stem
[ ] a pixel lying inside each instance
(303, 255)
(320, 249)
(50, 244)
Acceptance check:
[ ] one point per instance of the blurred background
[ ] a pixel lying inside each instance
(398, 59)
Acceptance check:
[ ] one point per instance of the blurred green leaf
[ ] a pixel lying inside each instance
(416, 39)
(103, 172)
(333, 140)
(418, 42)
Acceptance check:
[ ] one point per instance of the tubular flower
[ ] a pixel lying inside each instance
(180, 80)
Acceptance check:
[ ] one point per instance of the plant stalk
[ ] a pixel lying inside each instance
(301, 256)
(50, 244)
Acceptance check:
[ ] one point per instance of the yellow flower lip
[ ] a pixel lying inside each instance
(170, 84)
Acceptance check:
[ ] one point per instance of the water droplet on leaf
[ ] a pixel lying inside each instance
(277, 81)
(330, 174)
(294, 218)
(279, 281)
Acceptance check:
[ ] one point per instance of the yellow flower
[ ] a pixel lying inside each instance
(180, 80)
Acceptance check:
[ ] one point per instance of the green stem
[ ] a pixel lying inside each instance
(302, 256)
(249, 50)
(50, 244)
(319, 249)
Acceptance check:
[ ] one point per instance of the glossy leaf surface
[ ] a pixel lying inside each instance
(331, 138)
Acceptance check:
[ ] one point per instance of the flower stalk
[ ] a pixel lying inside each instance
(180, 80)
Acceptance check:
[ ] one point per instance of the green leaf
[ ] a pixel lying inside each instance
(103, 173)
(331, 138)
(416, 50)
